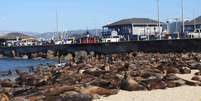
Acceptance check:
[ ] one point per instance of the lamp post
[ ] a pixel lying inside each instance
(182, 16)
(158, 11)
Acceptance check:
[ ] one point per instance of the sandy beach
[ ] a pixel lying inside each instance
(184, 93)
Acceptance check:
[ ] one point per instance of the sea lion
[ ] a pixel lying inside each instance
(196, 78)
(75, 97)
(57, 89)
(36, 98)
(6, 83)
(198, 73)
(151, 84)
(130, 84)
(185, 70)
(95, 90)
(4, 97)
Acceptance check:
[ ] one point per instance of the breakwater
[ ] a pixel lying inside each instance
(162, 46)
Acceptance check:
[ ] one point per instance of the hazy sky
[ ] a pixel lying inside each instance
(40, 15)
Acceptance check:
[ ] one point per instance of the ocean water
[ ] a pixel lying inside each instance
(12, 64)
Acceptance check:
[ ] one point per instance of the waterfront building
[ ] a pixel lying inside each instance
(131, 29)
(2, 42)
(14, 39)
(29, 42)
(193, 25)
(193, 28)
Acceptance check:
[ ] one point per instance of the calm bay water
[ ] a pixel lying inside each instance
(6, 64)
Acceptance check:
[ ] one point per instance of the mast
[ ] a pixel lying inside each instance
(57, 25)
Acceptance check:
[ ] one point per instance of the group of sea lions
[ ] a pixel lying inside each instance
(88, 76)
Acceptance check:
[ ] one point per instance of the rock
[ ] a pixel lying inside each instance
(80, 56)
(69, 57)
(6, 73)
(13, 53)
(51, 54)
(34, 55)
(25, 57)
(1, 56)
(38, 58)
(92, 53)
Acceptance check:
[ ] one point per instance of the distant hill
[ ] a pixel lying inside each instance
(49, 35)
(73, 33)
(14, 35)
(2, 33)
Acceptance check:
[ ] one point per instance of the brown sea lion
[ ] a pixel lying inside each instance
(4, 97)
(95, 90)
(20, 98)
(6, 83)
(185, 70)
(57, 89)
(74, 97)
(196, 78)
(151, 84)
(173, 70)
(130, 84)
(36, 98)
(198, 73)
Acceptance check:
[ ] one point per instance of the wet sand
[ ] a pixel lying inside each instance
(184, 93)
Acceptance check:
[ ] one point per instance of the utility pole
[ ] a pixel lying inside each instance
(159, 24)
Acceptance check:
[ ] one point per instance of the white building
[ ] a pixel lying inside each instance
(135, 26)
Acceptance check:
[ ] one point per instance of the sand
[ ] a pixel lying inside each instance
(184, 93)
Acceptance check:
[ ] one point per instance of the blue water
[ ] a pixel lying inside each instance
(12, 64)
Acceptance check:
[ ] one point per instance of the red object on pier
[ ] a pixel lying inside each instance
(88, 40)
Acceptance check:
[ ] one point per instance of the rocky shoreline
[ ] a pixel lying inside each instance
(88, 76)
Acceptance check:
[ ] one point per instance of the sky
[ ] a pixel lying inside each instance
(40, 15)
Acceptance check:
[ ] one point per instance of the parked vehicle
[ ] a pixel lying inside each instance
(112, 39)
(195, 34)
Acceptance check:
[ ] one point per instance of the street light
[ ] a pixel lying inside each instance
(158, 10)
(182, 16)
